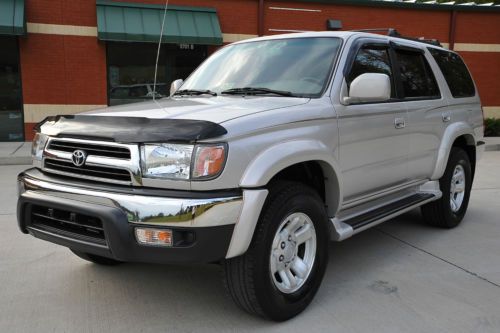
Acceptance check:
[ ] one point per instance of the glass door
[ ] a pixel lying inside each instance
(11, 112)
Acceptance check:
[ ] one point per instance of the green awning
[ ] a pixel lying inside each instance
(12, 17)
(132, 22)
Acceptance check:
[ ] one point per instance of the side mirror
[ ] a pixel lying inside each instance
(369, 87)
(175, 86)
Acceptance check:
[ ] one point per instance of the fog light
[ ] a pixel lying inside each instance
(155, 237)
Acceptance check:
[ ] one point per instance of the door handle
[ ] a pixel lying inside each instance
(399, 123)
(446, 117)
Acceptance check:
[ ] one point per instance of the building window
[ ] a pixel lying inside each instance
(11, 113)
(131, 69)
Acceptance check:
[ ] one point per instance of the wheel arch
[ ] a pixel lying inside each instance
(284, 160)
(456, 135)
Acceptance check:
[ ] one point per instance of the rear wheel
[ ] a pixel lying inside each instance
(282, 270)
(455, 184)
(96, 259)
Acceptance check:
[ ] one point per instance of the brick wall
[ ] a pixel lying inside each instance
(406, 21)
(63, 70)
(72, 12)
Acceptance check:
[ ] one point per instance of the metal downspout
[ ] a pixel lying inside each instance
(453, 25)
(261, 18)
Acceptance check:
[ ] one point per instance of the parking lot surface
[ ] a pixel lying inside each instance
(402, 276)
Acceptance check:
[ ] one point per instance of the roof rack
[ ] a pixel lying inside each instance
(394, 33)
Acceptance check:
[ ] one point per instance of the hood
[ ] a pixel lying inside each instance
(214, 109)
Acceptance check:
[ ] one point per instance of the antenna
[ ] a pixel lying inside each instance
(159, 48)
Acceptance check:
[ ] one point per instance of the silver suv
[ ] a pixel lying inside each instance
(270, 149)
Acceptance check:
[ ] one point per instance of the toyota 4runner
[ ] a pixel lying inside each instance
(273, 147)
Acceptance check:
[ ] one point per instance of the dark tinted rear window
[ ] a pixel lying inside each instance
(455, 72)
(416, 76)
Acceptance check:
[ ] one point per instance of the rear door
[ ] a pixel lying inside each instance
(427, 110)
(373, 138)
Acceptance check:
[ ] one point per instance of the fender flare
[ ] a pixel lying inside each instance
(277, 157)
(451, 133)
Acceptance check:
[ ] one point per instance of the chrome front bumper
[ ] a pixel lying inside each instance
(150, 209)
(202, 224)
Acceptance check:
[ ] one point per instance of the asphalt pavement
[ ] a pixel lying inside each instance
(402, 276)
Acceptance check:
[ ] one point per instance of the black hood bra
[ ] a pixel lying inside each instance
(130, 129)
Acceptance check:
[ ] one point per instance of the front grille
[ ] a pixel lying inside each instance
(97, 172)
(90, 149)
(69, 224)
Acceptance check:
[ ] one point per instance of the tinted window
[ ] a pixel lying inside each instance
(416, 76)
(371, 60)
(131, 69)
(455, 73)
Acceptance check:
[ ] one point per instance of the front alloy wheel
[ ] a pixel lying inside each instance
(293, 253)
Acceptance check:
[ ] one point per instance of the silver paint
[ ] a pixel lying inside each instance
(369, 153)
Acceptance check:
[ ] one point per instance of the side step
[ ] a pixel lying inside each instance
(360, 221)
(346, 228)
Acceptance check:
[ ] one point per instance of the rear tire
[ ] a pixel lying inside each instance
(96, 259)
(456, 185)
(282, 270)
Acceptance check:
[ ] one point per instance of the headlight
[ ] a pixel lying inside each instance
(38, 146)
(167, 161)
(182, 162)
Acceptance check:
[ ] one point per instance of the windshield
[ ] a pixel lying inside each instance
(300, 66)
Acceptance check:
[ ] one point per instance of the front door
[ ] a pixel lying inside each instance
(373, 150)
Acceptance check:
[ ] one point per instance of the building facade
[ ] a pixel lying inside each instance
(69, 56)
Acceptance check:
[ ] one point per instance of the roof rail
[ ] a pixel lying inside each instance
(394, 33)
(390, 31)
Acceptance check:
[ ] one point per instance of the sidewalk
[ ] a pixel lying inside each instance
(19, 153)
(15, 153)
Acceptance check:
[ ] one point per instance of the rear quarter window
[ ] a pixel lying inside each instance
(455, 72)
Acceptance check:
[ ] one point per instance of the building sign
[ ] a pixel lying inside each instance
(186, 46)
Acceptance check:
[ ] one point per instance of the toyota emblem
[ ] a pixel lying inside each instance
(79, 157)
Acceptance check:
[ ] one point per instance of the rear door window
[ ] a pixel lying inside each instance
(455, 72)
(416, 75)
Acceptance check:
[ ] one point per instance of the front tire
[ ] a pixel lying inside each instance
(282, 270)
(456, 185)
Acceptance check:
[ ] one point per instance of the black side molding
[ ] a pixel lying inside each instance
(130, 129)
(480, 143)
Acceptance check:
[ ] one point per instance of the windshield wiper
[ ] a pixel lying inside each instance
(194, 92)
(256, 91)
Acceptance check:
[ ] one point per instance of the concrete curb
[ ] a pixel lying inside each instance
(492, 148)
(492, 143)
